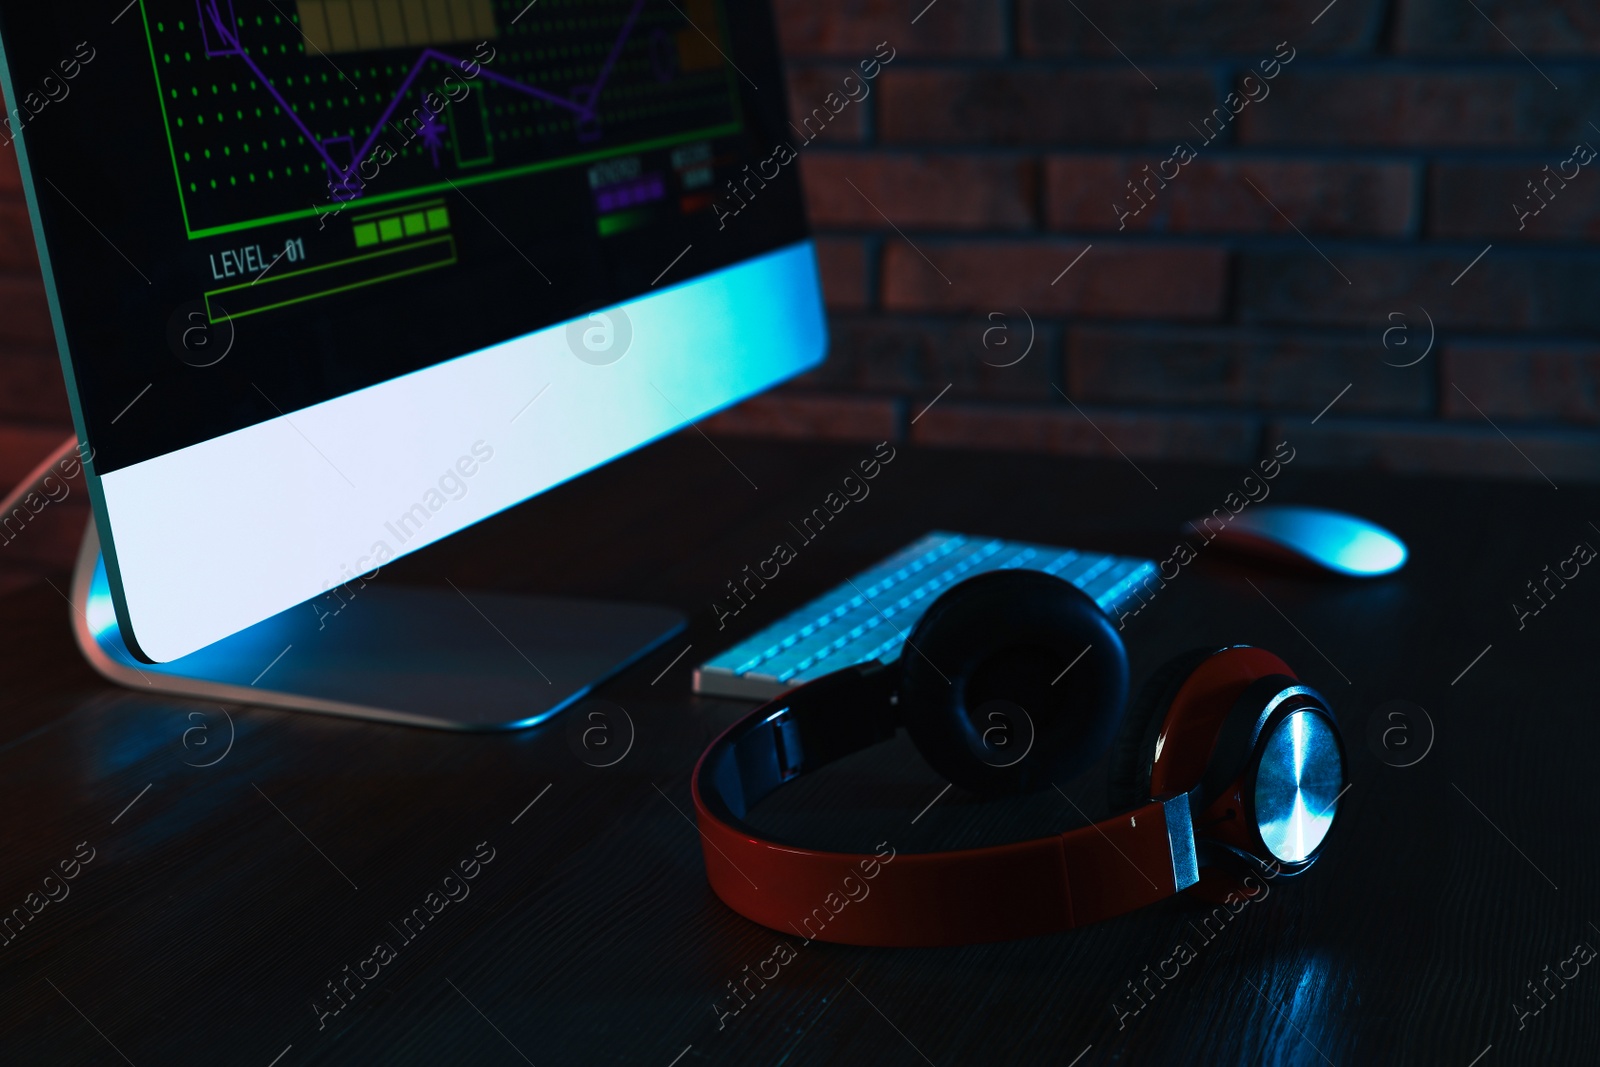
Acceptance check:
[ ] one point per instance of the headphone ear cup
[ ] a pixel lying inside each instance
(1012, 680)
(1128, 778)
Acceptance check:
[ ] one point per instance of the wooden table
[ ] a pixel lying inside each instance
(213, 906)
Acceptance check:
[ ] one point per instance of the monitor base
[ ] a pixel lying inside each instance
(419, 656)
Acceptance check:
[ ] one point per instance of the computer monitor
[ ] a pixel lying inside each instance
(333, 279)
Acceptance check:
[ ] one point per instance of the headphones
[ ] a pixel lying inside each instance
(1227, 767)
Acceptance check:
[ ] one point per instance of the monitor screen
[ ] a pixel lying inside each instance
(332, 239)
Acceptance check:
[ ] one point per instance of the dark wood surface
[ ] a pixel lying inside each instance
(218, 905)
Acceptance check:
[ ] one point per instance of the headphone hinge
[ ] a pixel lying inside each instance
(1180, 838)
(786, 747)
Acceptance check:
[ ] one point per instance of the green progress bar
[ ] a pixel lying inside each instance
(399, 227)
(421, 205)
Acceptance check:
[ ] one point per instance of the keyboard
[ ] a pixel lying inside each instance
(868, 617)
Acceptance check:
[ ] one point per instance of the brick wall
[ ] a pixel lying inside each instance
(1345, 198)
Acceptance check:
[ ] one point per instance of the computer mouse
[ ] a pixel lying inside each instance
(1331, 540)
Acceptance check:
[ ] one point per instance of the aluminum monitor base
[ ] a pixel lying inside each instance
(423, 657)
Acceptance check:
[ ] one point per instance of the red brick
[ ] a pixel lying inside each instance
(1194, 27)
(51, 538)
(809, 87)
(984, 355)
(24, 313)
(32, 389)
(813, 417)
(1549, 27)
(843, 264)
(10, 175)
(1521, 380)
(1239, 368)
(16, 238)
(1457, 450)
(1118, 281)
(1352, 108)
(1063, 430)
(1509, 289)
(1031, 105)
(15, 577)
(1492, 200)
(1210, 195)
(853, 29)
(22, 448)
(925, 191)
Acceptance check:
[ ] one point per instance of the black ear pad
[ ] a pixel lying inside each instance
(1128, 778)
(1012, 680)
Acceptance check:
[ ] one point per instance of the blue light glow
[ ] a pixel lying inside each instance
(1332, 539)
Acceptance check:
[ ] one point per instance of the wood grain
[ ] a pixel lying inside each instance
(220, 904)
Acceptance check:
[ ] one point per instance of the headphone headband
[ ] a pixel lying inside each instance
(997, 893)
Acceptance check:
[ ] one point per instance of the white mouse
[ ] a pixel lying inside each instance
(1332, 540)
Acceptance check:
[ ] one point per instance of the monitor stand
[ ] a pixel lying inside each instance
(424, 657)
